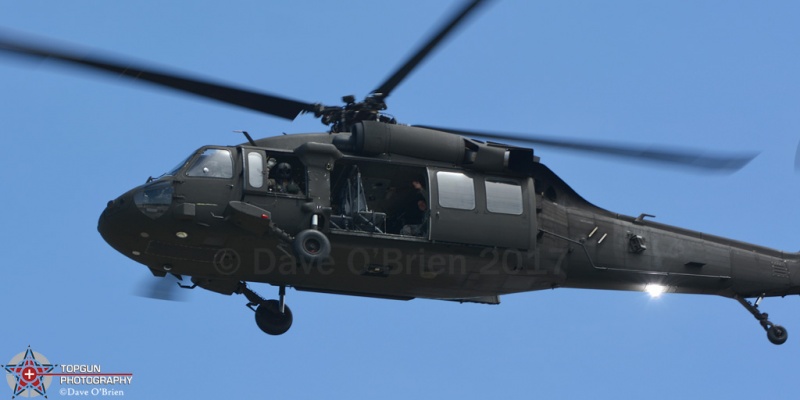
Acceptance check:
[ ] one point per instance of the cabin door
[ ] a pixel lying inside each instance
(473, 208)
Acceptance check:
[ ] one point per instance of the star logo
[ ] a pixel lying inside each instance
(28, 374)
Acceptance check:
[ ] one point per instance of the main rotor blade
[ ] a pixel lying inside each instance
(688, 158)
(797, 159)
(265, 103)
(386, 88)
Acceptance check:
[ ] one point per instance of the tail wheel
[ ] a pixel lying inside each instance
(775, 333)
(311, 246)
(271, 320)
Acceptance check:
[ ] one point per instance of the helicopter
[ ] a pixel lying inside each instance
(333, 212)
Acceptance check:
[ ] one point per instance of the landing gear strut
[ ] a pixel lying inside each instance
(272, 316)
(775, 333)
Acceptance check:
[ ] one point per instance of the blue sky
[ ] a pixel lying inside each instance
(715, 75)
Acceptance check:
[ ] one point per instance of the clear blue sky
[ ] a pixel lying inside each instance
(716, 75)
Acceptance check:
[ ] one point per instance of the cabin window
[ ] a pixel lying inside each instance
(255, 170)
(456, 190)
(503, 197)
(213, 163)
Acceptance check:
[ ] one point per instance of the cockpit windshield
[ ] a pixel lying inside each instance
(177, 168)
(212, 163)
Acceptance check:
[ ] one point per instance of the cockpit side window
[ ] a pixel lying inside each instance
(255, 170)
(213, 163)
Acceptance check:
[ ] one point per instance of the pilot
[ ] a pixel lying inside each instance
(213, 169)
(284, 182)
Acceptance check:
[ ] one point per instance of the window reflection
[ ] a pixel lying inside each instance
(213, 163)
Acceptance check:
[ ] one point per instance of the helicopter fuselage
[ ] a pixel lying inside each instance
(485, 233)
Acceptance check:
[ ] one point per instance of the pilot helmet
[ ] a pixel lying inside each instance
(284, 171)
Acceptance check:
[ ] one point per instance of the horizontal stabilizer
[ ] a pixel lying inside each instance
(481, 300)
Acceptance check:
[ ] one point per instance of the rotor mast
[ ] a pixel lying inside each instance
(342, 118)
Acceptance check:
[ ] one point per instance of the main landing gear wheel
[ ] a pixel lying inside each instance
(775, 333)
(272, 316)
(271, 320)
(311, 246)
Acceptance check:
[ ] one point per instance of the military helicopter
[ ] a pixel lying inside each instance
(379, 209)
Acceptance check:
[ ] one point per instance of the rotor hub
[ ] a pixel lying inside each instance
(342, 118)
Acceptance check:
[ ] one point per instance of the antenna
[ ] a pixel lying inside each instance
(249, 139)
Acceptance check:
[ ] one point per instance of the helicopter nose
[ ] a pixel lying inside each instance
(117, 218)
(116, 206)
(128, 221)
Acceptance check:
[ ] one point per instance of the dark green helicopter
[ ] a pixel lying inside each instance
(379, 209)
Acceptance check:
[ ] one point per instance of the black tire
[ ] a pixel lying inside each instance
(311, 246)
(270, 319)
(777, 334)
